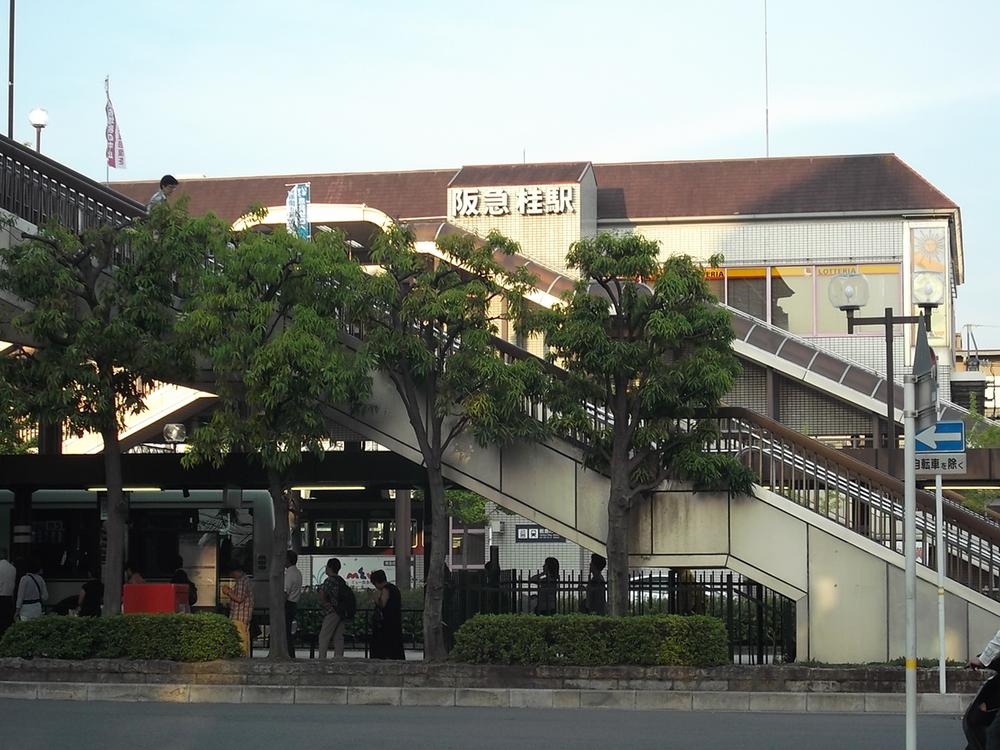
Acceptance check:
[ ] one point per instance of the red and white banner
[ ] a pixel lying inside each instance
(115, 152)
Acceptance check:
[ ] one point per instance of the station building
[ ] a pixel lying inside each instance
(784, 227)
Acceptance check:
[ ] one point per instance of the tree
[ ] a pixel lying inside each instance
(429, 329)
(264, 318)
(15, 420)
(654, 362)
(101, 324)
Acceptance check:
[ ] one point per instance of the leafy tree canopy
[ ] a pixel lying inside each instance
(647, 364)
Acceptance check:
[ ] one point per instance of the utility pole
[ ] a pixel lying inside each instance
(10, 77)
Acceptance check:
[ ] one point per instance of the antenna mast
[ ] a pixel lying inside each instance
(767, 108)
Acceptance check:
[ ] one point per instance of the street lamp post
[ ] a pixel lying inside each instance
(38, 118)
(849, 292)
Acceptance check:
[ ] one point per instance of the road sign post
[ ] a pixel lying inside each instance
(919, 414)
(910, 547)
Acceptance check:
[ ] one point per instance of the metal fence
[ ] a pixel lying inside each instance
(760, 622)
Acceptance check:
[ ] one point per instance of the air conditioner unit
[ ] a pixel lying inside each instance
(497, 528)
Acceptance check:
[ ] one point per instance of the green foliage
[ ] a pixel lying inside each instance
(463, 505)
(659, 358)
(585, 640)
(103, 325)
(428, 325)
(982, 433)
(265, 318)
(174, 637)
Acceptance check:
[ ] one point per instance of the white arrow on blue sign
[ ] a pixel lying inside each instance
(943, 437)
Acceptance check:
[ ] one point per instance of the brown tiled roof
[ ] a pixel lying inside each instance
(732, 187)
(821, 184)
(485, 175)
(402, 195)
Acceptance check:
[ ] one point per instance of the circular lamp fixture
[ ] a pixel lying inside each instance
(174, 433)
(928, 289)
(38, 117)
(848, 291)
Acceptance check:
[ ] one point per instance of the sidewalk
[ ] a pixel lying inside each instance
(355, 695)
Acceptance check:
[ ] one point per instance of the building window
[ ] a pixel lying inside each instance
(345, 532)
(382, 533)
(884, 291)
(796, 298)
(716, 280)
(792, 298)
(746, 290)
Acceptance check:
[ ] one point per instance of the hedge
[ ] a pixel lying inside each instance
(174, 637)
(586, 640)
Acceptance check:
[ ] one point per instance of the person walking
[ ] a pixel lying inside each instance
(168, 183)
(332, 593)
(293, 590)
(8, 579)
(596, 602)
(31, 593)
(387, 619)
(548, 587)
(181, 578)
(241, 604)
(90, 598)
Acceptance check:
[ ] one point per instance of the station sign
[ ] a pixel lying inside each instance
(532, 200)
(534, 534)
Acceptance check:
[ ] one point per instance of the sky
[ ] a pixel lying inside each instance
(244, 87)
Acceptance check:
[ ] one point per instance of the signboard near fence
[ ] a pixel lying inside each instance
(354, 570)
(529, 533)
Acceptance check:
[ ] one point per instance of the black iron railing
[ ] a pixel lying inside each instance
(38, 189)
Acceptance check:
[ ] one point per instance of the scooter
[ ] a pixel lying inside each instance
(983, 710)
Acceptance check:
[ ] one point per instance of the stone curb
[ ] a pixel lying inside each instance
(952, 704)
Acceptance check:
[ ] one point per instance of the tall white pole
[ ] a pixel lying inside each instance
(942, 557)
(910, 545)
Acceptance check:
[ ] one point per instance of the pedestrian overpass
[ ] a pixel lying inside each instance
(820, 528)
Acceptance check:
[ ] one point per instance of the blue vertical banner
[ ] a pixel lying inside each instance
(297, 210)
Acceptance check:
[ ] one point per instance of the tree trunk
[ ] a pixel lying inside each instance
(434, 642)
(276, 578)
(115, 526)
(618, 569)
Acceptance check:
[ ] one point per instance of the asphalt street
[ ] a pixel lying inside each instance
(27, 725)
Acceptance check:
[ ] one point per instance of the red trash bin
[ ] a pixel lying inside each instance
(154, 597)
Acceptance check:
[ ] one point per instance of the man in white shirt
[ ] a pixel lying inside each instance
(293, 590)
(31, 593)
(8, 577)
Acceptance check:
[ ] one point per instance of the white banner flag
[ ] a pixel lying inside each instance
(115, 152)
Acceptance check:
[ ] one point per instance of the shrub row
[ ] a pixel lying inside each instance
(586, 640)
(180, 637)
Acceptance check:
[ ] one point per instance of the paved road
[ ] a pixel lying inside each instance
(156, 726)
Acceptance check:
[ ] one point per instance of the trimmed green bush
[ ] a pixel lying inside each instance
(174, 637)
(586, 640)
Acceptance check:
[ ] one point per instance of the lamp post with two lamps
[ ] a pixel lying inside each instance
(849, 292)
(38, 118)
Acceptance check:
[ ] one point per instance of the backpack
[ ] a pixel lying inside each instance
(347, 603)
(192, 593)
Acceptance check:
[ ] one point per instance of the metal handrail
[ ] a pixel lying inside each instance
(37, 188)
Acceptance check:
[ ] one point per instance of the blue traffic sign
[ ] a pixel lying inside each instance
(943, 437)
